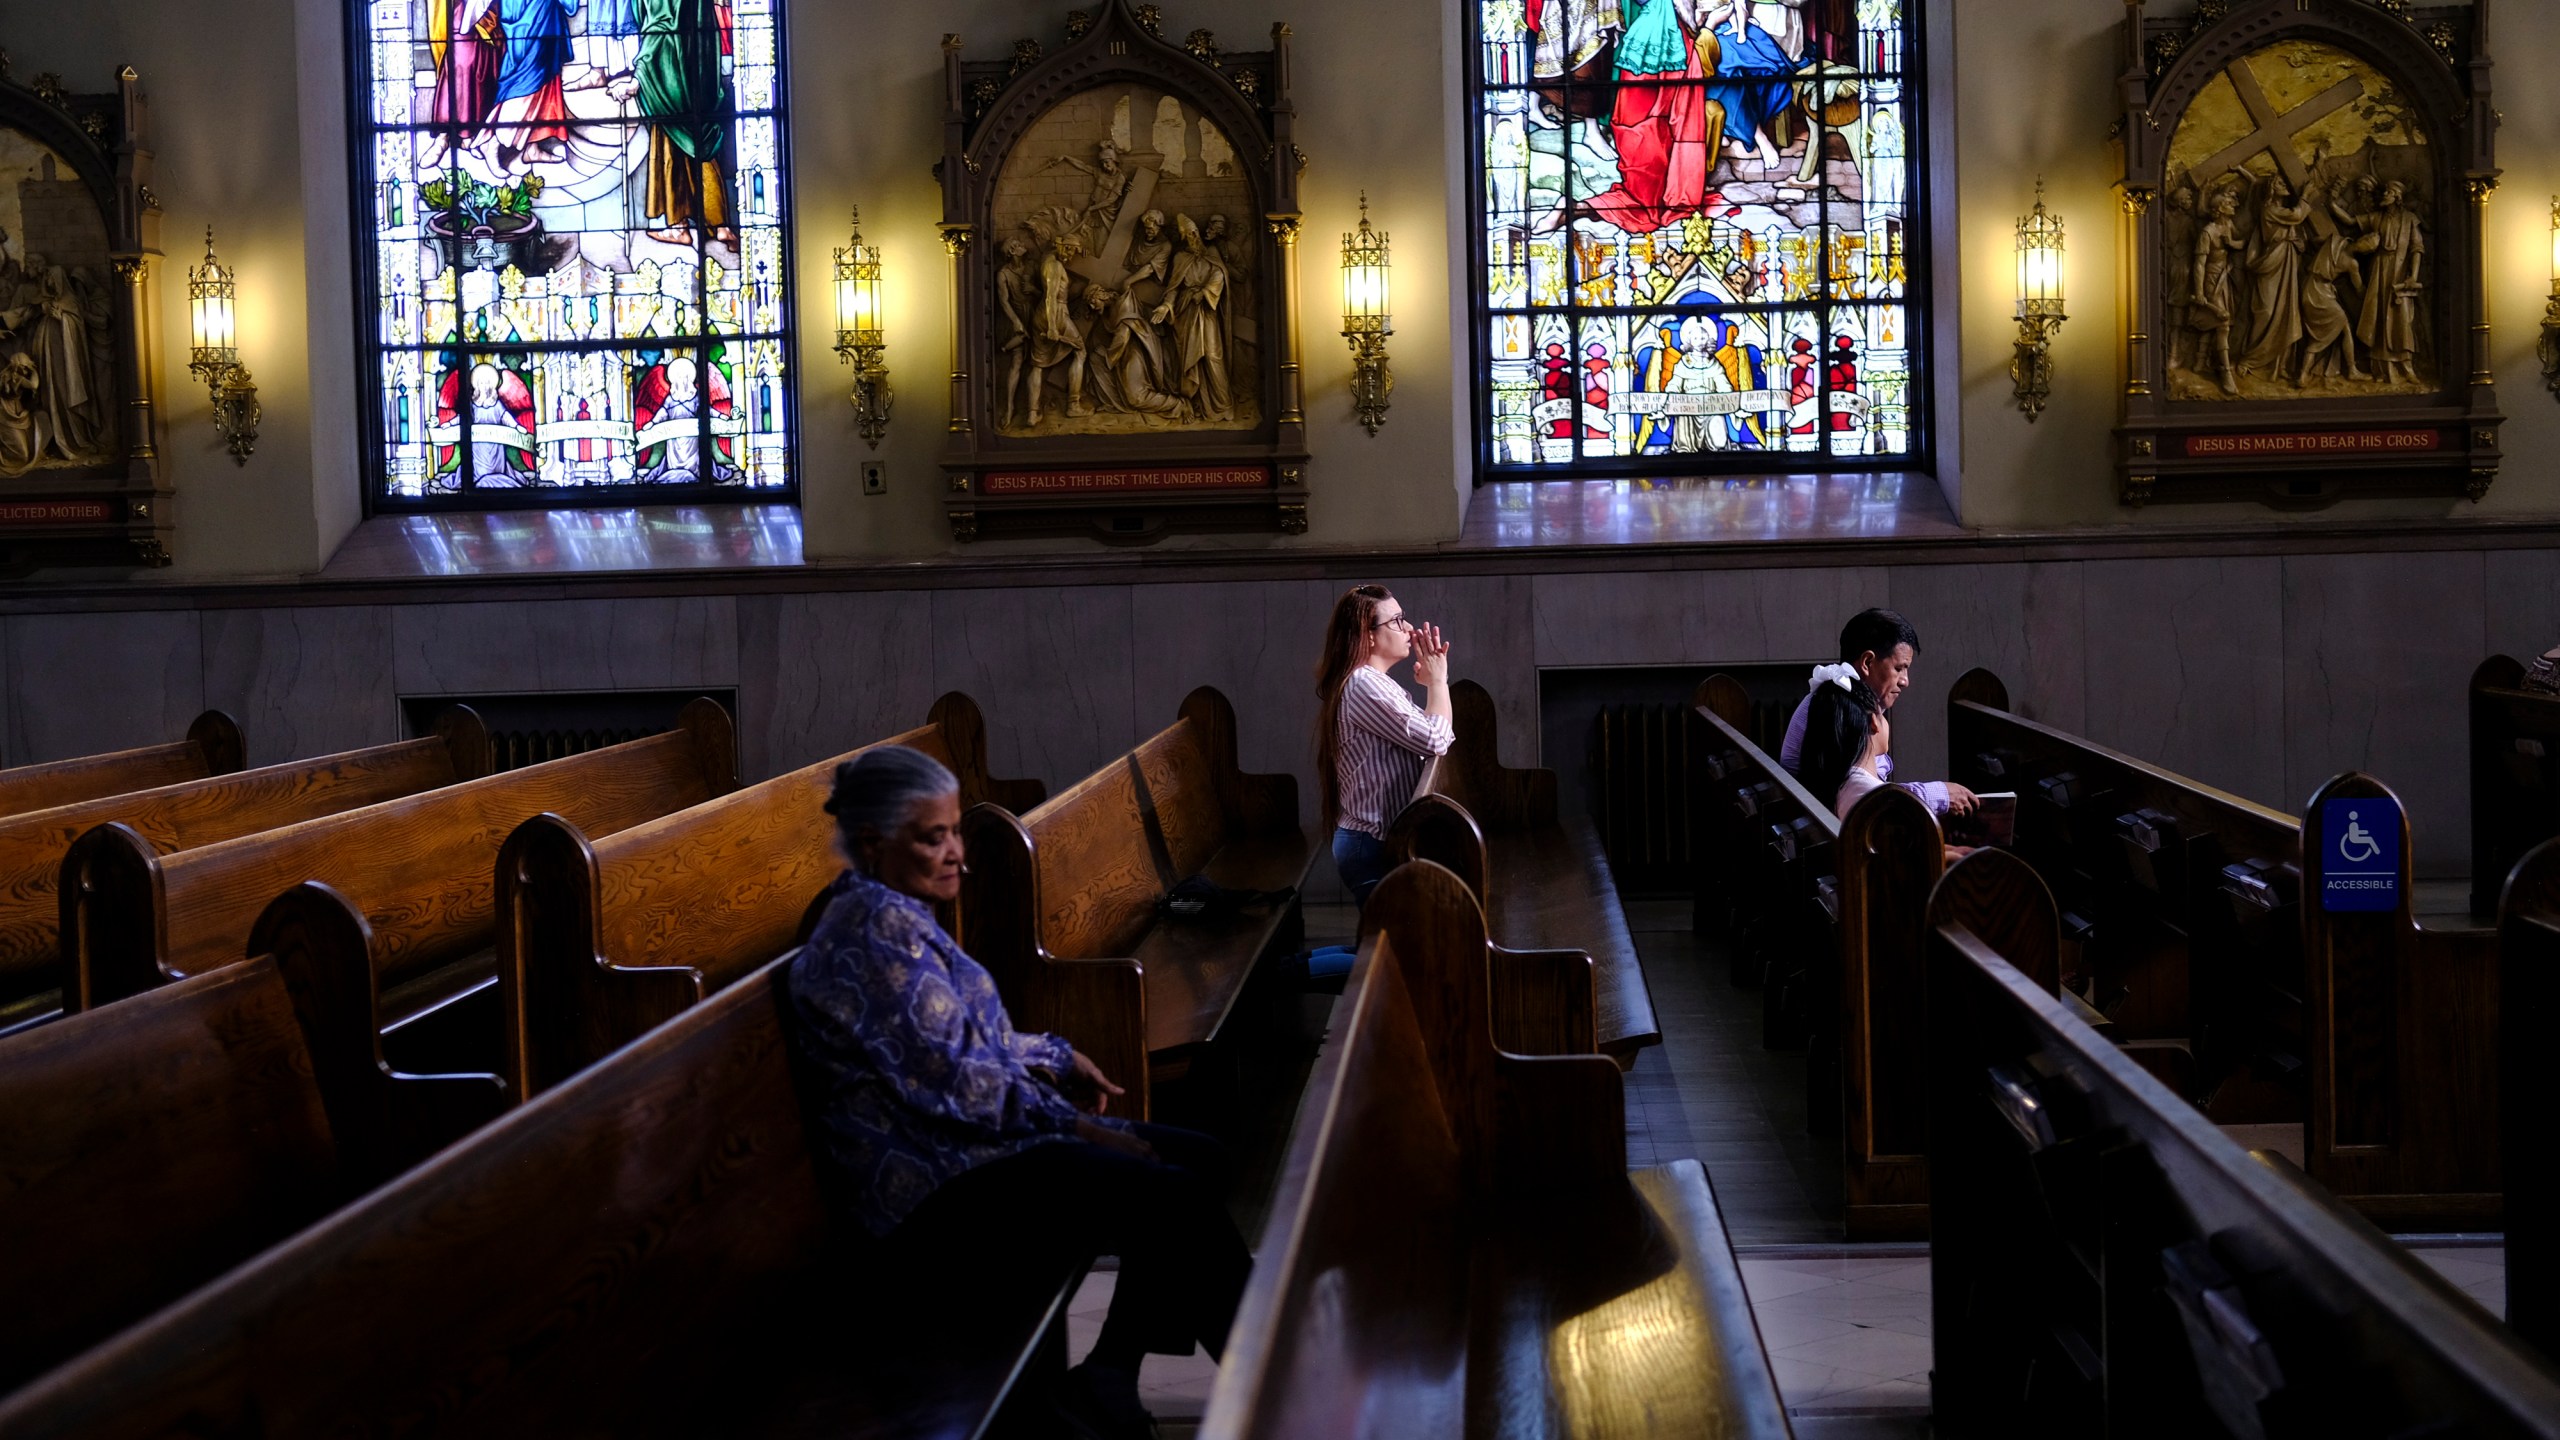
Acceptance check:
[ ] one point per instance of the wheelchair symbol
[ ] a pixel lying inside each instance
(2358, 844)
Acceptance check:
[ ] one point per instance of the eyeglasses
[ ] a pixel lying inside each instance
(1398, 623)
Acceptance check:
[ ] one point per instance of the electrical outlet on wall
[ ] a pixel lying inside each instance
(875, 477)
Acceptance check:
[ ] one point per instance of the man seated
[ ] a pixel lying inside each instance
(1877, 648)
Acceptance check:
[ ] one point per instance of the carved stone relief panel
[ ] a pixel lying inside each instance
(1127, 272)
(60, 353)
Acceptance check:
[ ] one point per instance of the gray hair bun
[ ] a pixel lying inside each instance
(875, 790)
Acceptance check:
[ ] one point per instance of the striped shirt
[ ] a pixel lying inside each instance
(1386, 739)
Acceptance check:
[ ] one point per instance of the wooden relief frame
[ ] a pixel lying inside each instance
(111, 506)
(2329, 415)
(1172, 458)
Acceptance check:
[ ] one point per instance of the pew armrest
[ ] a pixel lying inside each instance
(1100, 1007)
(1544, 1002)
(1560, 1121)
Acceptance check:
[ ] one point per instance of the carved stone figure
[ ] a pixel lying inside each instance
(1126, 359)
(1017, 293)
(2275, 280)
(1110, 187)
(2210, 303)
(1055, 340)
(2388, 326)
(1151, 256)
(2329, 347)
(1196, 302)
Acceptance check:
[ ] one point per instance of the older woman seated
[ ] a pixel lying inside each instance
(958, 1138)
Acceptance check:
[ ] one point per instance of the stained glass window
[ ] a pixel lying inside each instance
(577, 247)
(1698, 235)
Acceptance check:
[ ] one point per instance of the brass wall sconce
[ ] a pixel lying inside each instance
(2040, 305)
(1368, 318)
(2550, 347)
(213, 294)
(860, 340)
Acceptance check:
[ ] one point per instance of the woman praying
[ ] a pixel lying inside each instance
(1372, 741)
(972, 1150)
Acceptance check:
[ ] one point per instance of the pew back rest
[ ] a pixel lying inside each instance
(1473, 775)
(213, 747)
(2529, 1092)
(1778, 797)
(208, 811)
(517, 1281)
(147, 1149)
(2055, 1158)
(422, 868)
(2515, 774)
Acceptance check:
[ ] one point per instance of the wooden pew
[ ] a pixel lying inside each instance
(2529, 1093)
(644, 1251)
(1766, 860)
(2104, 1261)
(2403, 1120)
(420, 871)
(1891, 857)
(1457, 1248)
(155, 1145)
(601, 940)
(1544, 879)
(213, 747)
(200, 812)
(1061, 904)
(2515, 775)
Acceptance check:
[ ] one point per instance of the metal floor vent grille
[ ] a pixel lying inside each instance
(530, 729)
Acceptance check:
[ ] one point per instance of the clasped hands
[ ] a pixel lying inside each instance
(1430, 656)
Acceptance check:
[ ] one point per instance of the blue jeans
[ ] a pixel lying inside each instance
(1362, 861)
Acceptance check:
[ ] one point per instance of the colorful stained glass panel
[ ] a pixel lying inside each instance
(579, 253)
(1666, 181)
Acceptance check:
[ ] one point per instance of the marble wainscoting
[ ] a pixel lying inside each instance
(2264, 674)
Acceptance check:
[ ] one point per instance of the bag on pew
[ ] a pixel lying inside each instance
(194, 813)
(601, 939)
(642, 1252)
(1457, 1247)
(1064, 905)
(419, 871)
(152, 1146)
(213, 747)
(2104, 1260)
(1543, 879)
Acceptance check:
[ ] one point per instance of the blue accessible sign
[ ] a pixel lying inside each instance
(2359, 855)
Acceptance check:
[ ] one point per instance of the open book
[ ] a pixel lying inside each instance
(1993, 822)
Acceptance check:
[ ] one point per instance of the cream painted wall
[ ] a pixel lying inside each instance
(2035, 95)
(1372, 87)
(226, 134)
(249, 118)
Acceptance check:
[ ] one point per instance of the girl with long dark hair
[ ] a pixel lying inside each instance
(1845, 731)
(1371, 739)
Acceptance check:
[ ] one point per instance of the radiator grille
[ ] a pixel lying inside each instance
(530, 729)
(1640, 795)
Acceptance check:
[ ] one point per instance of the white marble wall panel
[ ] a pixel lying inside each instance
(1055, 669)
(2378, 652)
(819, 675)
(1699, 617)
(87, 684)
(310, 680)
(2021, 622)
(2523, 589)
(488, 648)
(2185, 665)
(1257, 643)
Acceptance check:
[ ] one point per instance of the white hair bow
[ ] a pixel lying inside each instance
(1842, 675)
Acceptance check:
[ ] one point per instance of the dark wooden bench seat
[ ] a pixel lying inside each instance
(2529, 1093)
(200, 812)
(2515, 775)
(2104, 1261)
(1544, 879)
(643, 1251)
(1061, 904)
(600, 940)
(213, 747)
(2191, 918)
(152, 1146)
(419, 871)
(1457, 1248)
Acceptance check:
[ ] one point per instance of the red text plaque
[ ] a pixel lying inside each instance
(2313, 442)
(57, 512)
(1122, 482)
